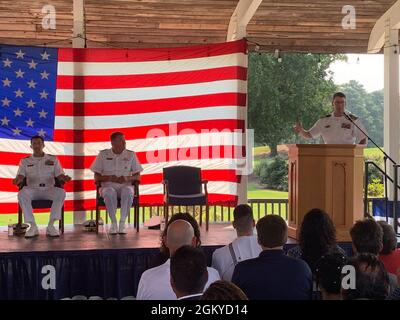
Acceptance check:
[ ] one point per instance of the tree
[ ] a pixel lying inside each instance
(367, 106)
(298, 88)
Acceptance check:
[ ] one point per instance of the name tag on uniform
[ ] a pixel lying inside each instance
(109, 158)
(30, 165)
(49, 163)
(328, 126)
(346, 125)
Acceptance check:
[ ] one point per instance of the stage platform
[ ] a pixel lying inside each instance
(87, 263)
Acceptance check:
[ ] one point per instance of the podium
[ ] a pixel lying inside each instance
(328, 177)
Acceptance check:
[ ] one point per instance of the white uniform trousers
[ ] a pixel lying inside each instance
(27, 194)
(111, 194)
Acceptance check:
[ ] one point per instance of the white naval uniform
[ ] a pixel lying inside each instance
(244, 248)
(338, 130)
(40, 173)
(155, 283)
(124, 164)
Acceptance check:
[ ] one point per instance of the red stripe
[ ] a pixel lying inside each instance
(100, 135)
(147, 106)
(150, 80)
(145, 157)
(145, 200)
(153, 178)
(156, 54)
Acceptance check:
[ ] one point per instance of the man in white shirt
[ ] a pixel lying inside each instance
(244, 247)
(40, 169)
(188, 273)
(115, 169)
(337, 127)
(155, 283)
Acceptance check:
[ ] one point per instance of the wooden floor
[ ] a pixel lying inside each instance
(76, 238)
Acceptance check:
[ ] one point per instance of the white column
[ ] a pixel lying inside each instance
(391, 98)
(244, 12)
(79, 30)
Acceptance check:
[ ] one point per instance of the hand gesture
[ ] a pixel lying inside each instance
(298, 128)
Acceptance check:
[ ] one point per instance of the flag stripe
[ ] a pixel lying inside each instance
(150, 80)
(11, 150)
(149, 106)
(191, 127)
(146, 157)
(147, 119)
(78, 174)
(137, 68)
(139, 94)
(155, 54)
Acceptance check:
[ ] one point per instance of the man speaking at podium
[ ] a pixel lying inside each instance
(338, 127)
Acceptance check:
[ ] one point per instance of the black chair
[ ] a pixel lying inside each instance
(183, 187)
(135, 204)
(40, 204)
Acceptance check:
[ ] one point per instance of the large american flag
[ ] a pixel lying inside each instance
(176, 106)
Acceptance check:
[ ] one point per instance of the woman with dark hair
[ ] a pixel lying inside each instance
(223, 290)
(328, 275)
(317, 238)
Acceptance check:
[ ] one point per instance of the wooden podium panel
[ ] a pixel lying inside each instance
(329, 177)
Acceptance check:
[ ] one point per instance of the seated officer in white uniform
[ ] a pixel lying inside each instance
(336, 128)
(155, 283)
(115, 169)
(244, 247)
(40, 169)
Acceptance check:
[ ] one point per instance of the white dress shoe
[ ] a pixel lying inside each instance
(32, 232)
(122, 229)
(52, 231)
(113, 229)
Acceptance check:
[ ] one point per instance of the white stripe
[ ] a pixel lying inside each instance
(150, 93)
(146, 119)
(9, 172)
(149, 67)
(228, 188)
(183, 140)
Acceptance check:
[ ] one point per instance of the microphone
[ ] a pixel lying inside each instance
(348, 117)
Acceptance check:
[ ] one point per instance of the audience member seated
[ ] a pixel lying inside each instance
(367, 237)
(244, 247)
(371, 279)
(317, 237)
(223, 290)
(390, 254)
(178, 216)
(188, 273)
(155, 283)
(273, 275)
(328, 275)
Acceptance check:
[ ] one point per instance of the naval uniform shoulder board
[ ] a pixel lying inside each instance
(353, 117)
(327, 116)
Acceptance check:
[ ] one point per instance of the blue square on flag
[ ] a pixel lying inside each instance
(27, 92)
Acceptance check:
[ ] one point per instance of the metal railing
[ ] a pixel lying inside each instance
(219, 213)
(368, 201)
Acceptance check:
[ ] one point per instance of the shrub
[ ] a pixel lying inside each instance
(273, 173)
